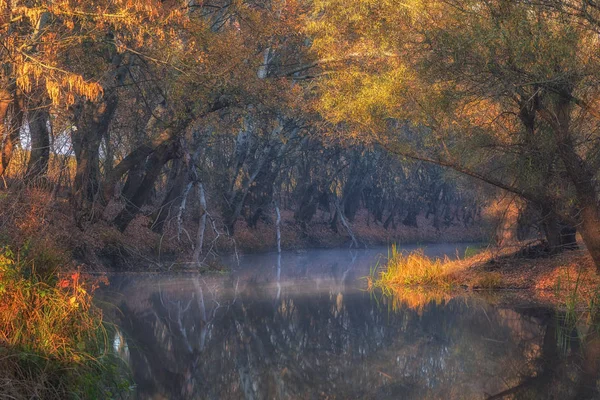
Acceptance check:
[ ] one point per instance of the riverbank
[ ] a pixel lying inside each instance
(46, 224)
(567, 280)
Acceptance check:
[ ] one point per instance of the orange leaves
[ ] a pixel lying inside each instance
(60, 47)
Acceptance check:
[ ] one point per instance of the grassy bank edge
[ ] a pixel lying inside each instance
(566, 280)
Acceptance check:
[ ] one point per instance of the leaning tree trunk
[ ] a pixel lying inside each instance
(156, 161)
(175, 185)
(582, 178)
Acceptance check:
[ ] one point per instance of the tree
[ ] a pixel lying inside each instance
(502, 91)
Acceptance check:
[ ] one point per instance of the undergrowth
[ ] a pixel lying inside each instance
(53, 343)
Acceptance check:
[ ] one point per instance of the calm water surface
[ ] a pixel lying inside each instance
(303, 327)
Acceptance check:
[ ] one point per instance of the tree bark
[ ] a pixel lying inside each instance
(390, 218)
(39, 158)
(5, 102)
(154, 165)
(278, 228)
(201, 227)
(581, 177)
(136, 158)
(172, 199)
(11, 119)
(93, 122)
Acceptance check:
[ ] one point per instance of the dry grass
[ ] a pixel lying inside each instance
(568, 281)
(53, 319)
(490, 281)
(416, 269)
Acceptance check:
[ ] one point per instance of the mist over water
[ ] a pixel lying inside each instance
(303, 327)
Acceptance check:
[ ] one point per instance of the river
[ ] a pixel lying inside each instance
(302, 326)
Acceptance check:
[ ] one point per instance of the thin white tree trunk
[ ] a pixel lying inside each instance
(345, 223)
(182, 209)
(278, 225)
(202, 227)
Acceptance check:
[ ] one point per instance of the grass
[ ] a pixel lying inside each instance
(415, 279)
(412, 269)
(490, 281)
(577, 306)
(53, 343)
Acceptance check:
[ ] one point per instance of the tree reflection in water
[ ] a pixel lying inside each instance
(191, 337)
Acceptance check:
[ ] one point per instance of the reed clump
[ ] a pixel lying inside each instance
(412, 269)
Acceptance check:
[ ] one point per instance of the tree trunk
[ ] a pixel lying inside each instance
(11, 119)
(173, 198)
(5, 102)
(137, 157)
(345, 224)
(590, 231)
(582, 178)
(38, 120)
(390, 219)
(559, 234)
(201, 227)
(411, 217)
(154, 165)
(278, 228)
(551, 229)
(92, 121)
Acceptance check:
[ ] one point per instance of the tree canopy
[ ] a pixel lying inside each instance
(332, 105)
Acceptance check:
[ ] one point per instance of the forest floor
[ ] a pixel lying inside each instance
(559, 279)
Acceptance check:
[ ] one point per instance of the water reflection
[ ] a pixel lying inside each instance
(309, 332)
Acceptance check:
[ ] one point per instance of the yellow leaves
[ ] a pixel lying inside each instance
(77, 84)
(27, 74)
(367, 100)
(53, 90)
(61, 86)
(368, 78)
(437, 63)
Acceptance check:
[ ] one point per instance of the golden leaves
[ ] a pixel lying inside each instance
(52, 56)
(70, 84)
(61, 86)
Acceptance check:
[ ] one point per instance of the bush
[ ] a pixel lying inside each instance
(53, 343)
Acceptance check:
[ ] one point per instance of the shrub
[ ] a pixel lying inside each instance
(53, 343)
